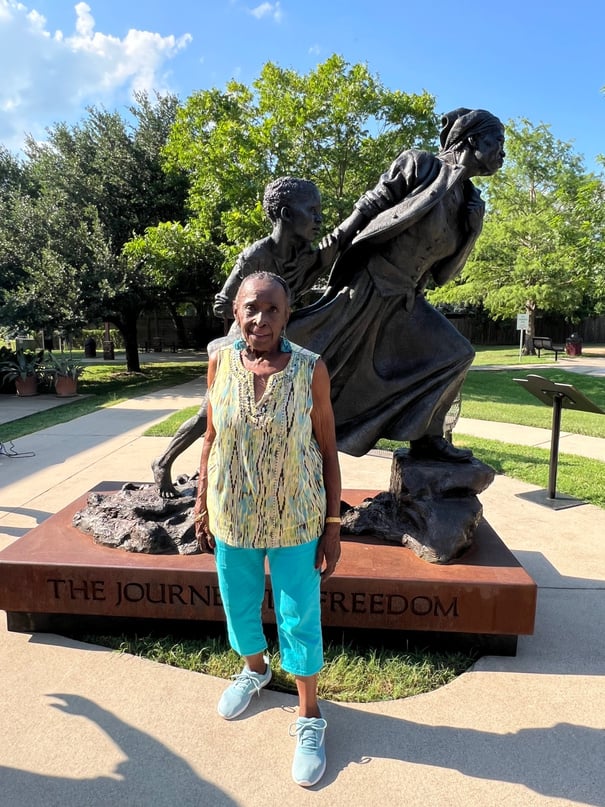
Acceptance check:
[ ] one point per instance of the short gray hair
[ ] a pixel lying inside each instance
(270, 276)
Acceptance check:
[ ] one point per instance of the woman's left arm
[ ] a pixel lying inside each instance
(322, 418)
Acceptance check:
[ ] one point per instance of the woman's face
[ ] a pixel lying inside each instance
(261, 311)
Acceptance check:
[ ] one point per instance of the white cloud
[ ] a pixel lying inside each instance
(268, 10)
(49, 76)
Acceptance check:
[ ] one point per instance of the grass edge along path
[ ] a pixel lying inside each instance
(101, 387)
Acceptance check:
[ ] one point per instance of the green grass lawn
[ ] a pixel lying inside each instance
(168, 427)
(581, 477)
(493, 395)
(508, 354)
(351, 673)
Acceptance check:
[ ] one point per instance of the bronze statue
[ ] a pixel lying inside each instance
(395, 363)
(294, 208)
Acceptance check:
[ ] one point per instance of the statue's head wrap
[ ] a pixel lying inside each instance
(461, 123)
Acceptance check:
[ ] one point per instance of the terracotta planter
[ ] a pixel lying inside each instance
(26, 387)
(66, 386)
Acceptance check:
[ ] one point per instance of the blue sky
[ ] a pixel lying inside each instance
(532, 59)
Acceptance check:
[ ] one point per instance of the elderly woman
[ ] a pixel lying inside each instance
(395, 363)
(269, 489)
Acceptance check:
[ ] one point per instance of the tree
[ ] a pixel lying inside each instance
(39, 289)
(16, 224)
(337, 126)
(591, 207)
(107, 212)
(98, 184)
(56, 246)
(536, 252)
(180, 263)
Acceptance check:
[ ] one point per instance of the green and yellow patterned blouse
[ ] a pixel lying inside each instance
(265, 480)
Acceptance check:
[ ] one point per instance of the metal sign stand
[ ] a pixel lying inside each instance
(8, 450)
(559, 396)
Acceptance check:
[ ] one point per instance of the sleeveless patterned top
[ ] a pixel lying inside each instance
(265, 469)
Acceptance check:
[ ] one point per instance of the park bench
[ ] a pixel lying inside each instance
(545, 343)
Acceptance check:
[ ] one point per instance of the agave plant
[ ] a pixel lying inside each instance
(21, 364)
(62, 365)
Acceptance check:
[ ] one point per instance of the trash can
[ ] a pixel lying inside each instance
(573, 345)
(90, 348)
(108, 351)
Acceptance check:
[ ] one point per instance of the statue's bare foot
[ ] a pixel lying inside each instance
(161, 476)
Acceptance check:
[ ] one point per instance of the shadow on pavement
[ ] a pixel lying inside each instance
(562, 761)
(151, 775)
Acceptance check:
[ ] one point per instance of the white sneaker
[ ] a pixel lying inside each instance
(309, 762)
(236, 698)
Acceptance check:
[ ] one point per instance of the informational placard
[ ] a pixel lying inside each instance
(559, 396)
(522, 326)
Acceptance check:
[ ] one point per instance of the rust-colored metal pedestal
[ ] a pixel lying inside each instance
(56, 579)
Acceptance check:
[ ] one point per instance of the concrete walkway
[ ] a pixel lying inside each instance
(84, 726)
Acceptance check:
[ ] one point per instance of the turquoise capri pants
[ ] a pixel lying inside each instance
(295, 584)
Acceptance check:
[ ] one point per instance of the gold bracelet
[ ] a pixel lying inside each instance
(332, 520)
(200, 517)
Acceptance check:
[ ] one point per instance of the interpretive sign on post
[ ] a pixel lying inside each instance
(559, 396)
(522, 325)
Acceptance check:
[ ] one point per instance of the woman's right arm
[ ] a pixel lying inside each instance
(205, 539)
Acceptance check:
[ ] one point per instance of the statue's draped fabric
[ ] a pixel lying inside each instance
(395, 363)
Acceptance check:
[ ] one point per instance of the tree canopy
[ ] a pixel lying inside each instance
(541, 249)
(337, 126)
(93, 187)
